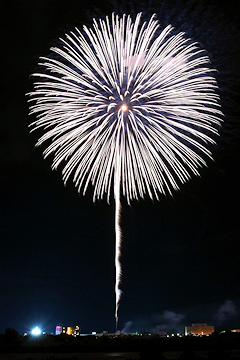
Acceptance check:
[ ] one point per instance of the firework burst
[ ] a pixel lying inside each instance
(126, 105)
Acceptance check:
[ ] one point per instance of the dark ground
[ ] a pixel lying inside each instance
(48, 347)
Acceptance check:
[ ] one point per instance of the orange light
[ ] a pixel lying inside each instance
(124, 107)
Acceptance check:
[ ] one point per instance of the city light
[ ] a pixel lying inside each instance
(36, 331)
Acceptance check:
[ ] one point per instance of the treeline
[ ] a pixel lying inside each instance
(12, 342)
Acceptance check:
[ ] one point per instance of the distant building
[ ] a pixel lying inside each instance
(69, 330)
(74, 331)
(160, 333)
(199, 329)
(58, 330)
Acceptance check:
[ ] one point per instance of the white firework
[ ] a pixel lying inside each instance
(129, 105)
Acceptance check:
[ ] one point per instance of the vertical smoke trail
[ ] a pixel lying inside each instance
(117, 237)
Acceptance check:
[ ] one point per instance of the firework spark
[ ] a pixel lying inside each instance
(127, 104)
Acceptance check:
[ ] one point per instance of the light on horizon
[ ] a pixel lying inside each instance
(36, 331)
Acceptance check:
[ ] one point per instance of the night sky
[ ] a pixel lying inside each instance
(180, 256)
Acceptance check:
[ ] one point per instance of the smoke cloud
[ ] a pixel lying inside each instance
(228, 309)
(168, 320)
(126, 328)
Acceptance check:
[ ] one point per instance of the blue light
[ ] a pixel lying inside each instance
(36, 331)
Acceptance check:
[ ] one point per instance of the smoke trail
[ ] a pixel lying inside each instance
(117, 237)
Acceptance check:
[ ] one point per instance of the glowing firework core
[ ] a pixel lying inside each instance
(124, 107)
(129, 105)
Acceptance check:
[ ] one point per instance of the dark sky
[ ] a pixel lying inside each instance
(180, 256)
